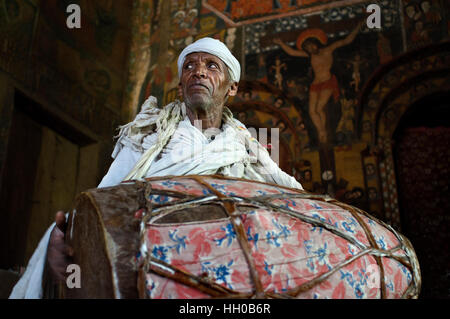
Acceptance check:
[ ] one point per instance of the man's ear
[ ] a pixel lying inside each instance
(232, 91)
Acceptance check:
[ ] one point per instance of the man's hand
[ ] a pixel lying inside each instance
(58, 255)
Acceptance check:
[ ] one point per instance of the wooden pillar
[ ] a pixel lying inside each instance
(138, 57)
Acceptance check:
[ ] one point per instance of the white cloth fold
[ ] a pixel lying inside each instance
(29, 285)
(190, 153)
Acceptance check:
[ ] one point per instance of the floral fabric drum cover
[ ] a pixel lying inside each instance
(269, 242)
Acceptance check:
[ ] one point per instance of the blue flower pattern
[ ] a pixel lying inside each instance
(273, 236)
(358, 283)
(206, 191)
(380, 241)
(252, 238)
(351, 249)
(180, 241)
(221, 188)
(371, 222)
(406, 272)
(323, 219)
(159, 199)
(150, 287)
(318, 255)
(309, 261)
(221, 273)
(321, 254)
(230, 234)
(350, 226)
(288, 204)
(268, 268)
(162, 252)
(390, 286)
(171, 184)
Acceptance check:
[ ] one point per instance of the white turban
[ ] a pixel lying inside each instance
(214, 47)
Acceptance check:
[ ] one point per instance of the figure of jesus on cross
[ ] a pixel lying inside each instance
(312, 44)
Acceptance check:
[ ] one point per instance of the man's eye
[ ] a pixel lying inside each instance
(213, 66)
(188, 66)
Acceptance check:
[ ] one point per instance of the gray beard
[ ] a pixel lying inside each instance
(200, 104)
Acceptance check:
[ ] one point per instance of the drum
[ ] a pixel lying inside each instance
(221, 237)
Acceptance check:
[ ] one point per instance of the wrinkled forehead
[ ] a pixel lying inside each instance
(203, 56)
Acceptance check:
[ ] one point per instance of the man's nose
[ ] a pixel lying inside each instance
(200, 70)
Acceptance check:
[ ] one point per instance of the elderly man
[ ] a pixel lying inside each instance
(199, 136)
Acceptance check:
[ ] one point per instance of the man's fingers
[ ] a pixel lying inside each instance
(69, 251)
(56, 256)
(60, 220)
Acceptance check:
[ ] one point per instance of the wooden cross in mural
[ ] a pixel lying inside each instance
(229, 5)
(276, 4)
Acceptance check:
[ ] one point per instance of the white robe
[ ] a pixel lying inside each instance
(188, 152)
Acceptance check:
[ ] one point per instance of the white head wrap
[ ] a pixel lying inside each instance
(214, 47)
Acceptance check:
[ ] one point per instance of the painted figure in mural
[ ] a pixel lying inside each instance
(431, 11)
(277, 68)
(419, 36)
(162, 79)
(413, 12)
(281, 125)
(422, 20)
(247, 95)
(356, 65)
(346, 124)
(184, 22)
(199, 136)
(262, 74)
(278, 102)
(230, 38)
(307, 175)
(372, 193)
(311, 44)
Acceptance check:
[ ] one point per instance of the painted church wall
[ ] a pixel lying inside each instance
(314, 100)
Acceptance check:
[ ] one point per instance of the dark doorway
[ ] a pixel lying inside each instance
(17, 187)
(41, 175)
(422, 156)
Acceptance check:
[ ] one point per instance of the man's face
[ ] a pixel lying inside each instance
(311, 47)
(308, 176)
(279, 103)
(410, 11)
(425, 6)
(204, 81)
